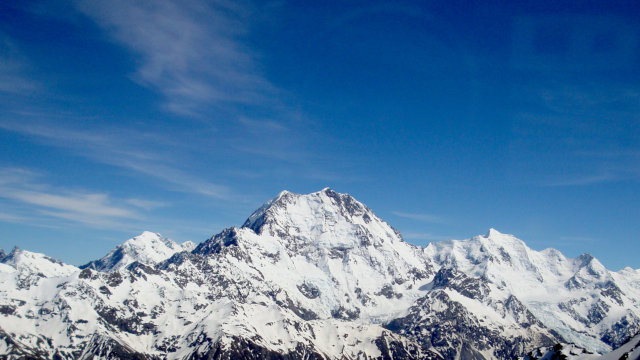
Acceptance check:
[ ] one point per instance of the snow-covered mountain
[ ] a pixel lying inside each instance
(580, 299)
(40, 265)
(147, 248)
(316, 276)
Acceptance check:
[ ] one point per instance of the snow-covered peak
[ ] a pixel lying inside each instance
(328, 252)
(493, 232)
(325, 216)
(150, 238)
(147, 248)
(588, 271)
(23, 260)
(483, 254)
(575, 296)
(498, 238)
(188, 245)
(497, 256)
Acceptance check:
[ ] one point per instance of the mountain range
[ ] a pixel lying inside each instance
(318, 276)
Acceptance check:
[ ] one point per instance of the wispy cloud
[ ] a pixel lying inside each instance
(607, 166)
(580, 180)
(69, 204)
(587, 128)
(178, 180)
(190, 51)
(13, 79)
(12, 218)
(126, 149)
(428, 218)
(281, 153)
(88, 208)
(146, 204)
(589, 100)
(194, 54)
(262, 125)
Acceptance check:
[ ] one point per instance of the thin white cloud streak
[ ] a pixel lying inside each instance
(39, 221)
(590, 100)
(618, 170)
(13, 69)
(262, 125)
(13, 78)
(582, 180)
(15, 175)
(589, 124)
(190, 51)
(616, 167)
(179, 180)
(292, 155)
(92, 209)
(72, 203)
(12, 218)
(146, 204)
(125, 150)
(428, 218)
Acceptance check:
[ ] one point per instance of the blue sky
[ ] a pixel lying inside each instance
(446, 118)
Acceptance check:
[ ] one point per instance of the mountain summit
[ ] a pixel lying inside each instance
(147, 248)
(325, 217)
(315, 276)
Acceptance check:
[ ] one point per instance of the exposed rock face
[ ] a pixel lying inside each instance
(629, 350)
(447, 320)
(315, 276)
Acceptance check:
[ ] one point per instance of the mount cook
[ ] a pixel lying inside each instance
(316, 276)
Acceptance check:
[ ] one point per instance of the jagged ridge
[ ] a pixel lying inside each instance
(314, 276)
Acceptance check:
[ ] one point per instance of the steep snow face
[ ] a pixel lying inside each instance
(326, 218)
(147, 248)
(582, 300)
(188, 246)
(28, 281)
(26, 262)
(331, 254)
(505, 260)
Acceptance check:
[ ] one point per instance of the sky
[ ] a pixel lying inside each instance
(445, 118)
